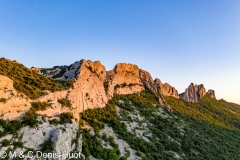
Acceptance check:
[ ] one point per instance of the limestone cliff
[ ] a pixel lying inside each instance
(147, 80)
(194, 92)
(123, 79)
(93, 87)
(88, 91)
(165, 89)
(13, 105)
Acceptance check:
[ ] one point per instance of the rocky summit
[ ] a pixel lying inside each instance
(112, 115)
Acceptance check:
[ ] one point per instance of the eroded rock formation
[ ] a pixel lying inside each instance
(147, 80)
(194, 92)
(13, 105)
(93, 87)
(165, 89)
(211, 93)
(123, 79)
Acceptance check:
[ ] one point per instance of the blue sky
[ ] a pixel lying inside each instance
(177, 41)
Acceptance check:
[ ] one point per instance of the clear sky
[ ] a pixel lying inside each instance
(177, 41)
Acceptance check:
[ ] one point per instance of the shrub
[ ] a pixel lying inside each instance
(30, 117)
(4, 100)
(18, 144)
(40, 106)
(54, 122)
(13, 126)
(9, 127)
(66, 117)
(47, 146)
(6, 142)
(65, 103)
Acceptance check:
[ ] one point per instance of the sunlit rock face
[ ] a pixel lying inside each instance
(124, 79)
(13, 105)
(88, 91)
(194, 92)
(93, 86)
(165, 89)
(147, 80)
(191, 93)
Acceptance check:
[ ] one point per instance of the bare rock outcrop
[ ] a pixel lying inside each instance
(211, 93)
(13, 105)
(93, 87)
(190, 93)
(123, 79)
(165, 89)
(62, 137)
(56, 108)
(147, 80)
(194, 92)
(201, 92)
(88, 91)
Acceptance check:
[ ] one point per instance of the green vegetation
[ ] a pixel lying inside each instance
(214, 111)
(6, 142)
(97, 117)
(3, 100)
(29, 82)
(54, 122)
(92, 145)
(9, 127)
(125, 85)
(40, 106)
(65, 84)
(60, 74)
(30, 117)
(66, 117)
(65, 103)
(168, 134)
(47, 146)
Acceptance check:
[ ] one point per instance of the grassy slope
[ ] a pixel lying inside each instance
(218, 112)
(29, 82)
(182, 132)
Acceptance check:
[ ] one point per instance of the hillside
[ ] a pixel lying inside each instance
(148, 131)
(29, 81)
(118, 114)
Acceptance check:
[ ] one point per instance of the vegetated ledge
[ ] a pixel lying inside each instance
(29, 82)
(125, 85)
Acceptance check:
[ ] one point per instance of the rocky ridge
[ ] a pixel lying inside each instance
(93, 87)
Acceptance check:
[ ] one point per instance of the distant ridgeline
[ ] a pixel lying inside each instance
(122, 113)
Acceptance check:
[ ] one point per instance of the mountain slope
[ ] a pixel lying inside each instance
(121, 114)
(153, 133)
(218, 112)
(28, 81)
